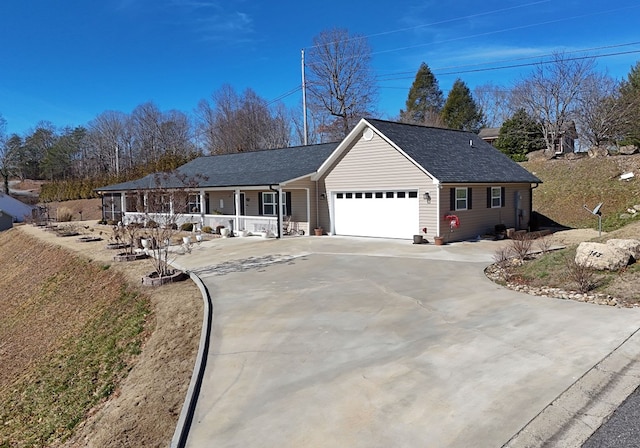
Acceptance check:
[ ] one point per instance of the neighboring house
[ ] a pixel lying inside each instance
(385, 179)
(6, 220)
(19, 210)
(564, 144)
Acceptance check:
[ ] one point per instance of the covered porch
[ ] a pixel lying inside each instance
(270, 210)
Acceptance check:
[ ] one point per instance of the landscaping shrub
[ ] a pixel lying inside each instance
(64, 215)
(207, 229)
(187, 227)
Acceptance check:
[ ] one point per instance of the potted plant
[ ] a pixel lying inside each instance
(438, 240)
(318, 231)
(419, 238)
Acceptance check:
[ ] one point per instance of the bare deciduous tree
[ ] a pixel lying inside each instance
(231, 123)
(551, 94)
(340, 81)
(494, 101)
(602, 116)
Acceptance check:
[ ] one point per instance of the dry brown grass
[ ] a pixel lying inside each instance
(47, 308)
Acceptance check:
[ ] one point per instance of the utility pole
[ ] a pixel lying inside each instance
(304, 102)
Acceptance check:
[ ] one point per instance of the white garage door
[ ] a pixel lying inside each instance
(385, 214)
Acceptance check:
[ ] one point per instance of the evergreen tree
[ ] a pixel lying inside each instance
(519, 135)
(425, 99)
(460, 111)
(630, 98)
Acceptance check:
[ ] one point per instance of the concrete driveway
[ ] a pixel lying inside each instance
(346, 342)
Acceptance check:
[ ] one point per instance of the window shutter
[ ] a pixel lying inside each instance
(503, 196)
(452, 199)
(488, 197)
(469, 198)
(260, 203)
(287, 201)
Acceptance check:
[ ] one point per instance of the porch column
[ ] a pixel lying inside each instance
(279, 202)
(123, 207)
(202, 209)
(308, 212)
(236, 199)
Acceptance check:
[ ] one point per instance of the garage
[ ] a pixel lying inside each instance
(383, 214)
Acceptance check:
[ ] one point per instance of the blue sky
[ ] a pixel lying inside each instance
(66, 61)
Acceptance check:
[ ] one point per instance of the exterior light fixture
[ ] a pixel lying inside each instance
(427, 197)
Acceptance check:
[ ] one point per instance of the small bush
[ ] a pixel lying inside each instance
(521, 245)
(187, 227)
(582, 275)
(152, 224)
(207, 229)
(64, 215)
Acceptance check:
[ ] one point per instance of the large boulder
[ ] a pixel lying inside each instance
(627, 150)
(601, 256)
(630, 245)
(597, 151)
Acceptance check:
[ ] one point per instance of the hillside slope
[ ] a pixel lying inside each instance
(568, 185)
(85, 354)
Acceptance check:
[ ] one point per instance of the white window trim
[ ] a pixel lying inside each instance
(283, 203)
(465, 199)
(494, 197)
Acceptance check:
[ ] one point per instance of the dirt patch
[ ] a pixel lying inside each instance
(144, 409)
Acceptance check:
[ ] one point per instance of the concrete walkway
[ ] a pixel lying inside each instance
(332, 341)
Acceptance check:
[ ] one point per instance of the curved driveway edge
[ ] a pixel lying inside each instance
(186, 415)
(579, 411)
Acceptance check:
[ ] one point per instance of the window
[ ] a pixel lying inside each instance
(269, 207)
(379, 195)
(269, 204)
(496, 197)
(193, 203)
(368, 195)
(461, 199)
(401, 194)
(413, 194)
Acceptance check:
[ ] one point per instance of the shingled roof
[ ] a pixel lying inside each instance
(453, 156)
(245, 169)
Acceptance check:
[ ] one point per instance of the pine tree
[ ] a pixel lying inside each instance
(519, 135)
(460, 111)
(630, 97)
(425, 99)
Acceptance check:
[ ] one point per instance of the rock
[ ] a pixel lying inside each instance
(637, 207)
(625, 216)
(597, 151)
(630, 245)
(627, 150)
(601, 256)
(537, 155)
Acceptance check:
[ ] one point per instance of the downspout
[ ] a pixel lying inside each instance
(308, 211)
(531, 188)
(438, 188)
(279, 214)
(317, 209)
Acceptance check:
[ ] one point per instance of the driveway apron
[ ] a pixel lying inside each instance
(348, 349)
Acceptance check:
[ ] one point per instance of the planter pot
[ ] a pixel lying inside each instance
(438, 240)
(154, 279)
(318, 231)
(130, 257)
(186, 240)
(145, 243)
(418, 239)
(224, 232)
(89, 239)
(199, 238)
(244, 233)
(117, 246)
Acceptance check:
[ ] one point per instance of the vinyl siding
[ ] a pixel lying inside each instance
(375, 165)
(480, 219)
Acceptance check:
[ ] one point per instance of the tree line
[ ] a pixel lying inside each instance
(341, 89)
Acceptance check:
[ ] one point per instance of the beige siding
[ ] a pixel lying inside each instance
(375, 165)
(481, 219)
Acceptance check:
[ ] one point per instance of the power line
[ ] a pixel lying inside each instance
(541, 61)
(455, 19)
(547, 22)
